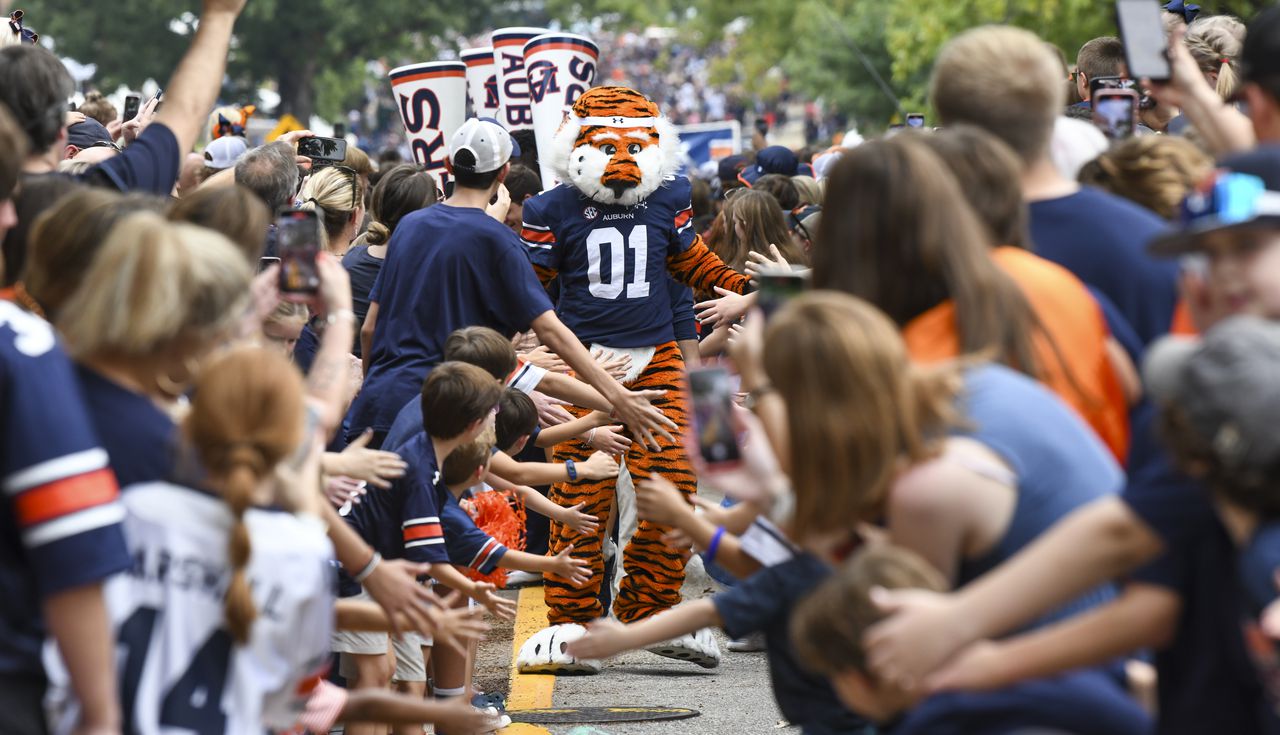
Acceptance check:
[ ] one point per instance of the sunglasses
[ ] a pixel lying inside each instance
(798, 224)
(15, 24)
(355, 183)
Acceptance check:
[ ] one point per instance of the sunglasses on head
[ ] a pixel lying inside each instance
(15, 24)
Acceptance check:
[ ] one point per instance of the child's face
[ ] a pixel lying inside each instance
(1244, 270)
(283, 335)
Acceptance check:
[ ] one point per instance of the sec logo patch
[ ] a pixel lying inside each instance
(590, 213)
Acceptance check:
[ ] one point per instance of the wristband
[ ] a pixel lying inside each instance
(339, 315)
(363, 574)
(714, 546)
(572, 469)
(591, 435)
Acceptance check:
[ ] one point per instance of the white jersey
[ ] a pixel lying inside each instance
(180, 670)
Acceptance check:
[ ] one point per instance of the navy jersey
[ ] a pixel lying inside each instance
(613, 261)
(60, 520)
(403, 521)
(468, 546)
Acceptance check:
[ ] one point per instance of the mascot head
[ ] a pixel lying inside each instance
(615, 146)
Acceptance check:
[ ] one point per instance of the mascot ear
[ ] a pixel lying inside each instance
(669, 143)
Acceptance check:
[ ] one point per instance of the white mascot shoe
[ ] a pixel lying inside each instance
(699, 648)
(544, 652)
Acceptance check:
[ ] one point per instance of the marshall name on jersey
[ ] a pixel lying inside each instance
(179, 668)
(611, 260)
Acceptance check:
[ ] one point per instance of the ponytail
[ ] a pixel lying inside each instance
(242, 473)
(246, 418)
(377, 234)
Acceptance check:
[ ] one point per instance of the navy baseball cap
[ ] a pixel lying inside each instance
(776, 159)
(1224, 201)
(730, 167)
(89, 134)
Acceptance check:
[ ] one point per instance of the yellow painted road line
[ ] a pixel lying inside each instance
(528, 691)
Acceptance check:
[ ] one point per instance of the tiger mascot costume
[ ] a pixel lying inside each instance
(612, 233)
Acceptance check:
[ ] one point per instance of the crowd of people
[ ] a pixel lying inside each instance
(999, 461)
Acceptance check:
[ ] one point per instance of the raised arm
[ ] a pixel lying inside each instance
(195, 84)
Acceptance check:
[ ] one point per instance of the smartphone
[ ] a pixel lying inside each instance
(712, 397)
(1115, 112)
(915, 120)
(319, 149)
(1110, 83)
(1146, 49)
(340, 131)
(298, 243)
(777, 286)
(132, 104)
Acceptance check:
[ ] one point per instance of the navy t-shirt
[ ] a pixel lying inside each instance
(446, 268)
(1210, 680)
(1103, 240)
(150, 164)
(1259, 562)
(140, 439)
(1205, 682)
(467, 544)
(763, 603)
(1087, 701)
(363, 269)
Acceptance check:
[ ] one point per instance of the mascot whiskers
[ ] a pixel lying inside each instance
(618, 235)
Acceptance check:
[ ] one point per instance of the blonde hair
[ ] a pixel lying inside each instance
(1156, 171)
(329, 193)
(1004, 80)
(153, 283)
(809, 189)
(1215, 43)
(70, 234)
(72, 167)
(246, 417)
(856, 406)
(286, 310)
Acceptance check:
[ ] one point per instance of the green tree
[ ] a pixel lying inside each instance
(293, 42)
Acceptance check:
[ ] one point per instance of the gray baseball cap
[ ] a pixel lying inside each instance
(1228, 386)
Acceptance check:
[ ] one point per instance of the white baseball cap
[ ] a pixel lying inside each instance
(222, 153)
(485, 145)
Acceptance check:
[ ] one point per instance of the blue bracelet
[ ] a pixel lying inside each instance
(714, 546)
(572, 469)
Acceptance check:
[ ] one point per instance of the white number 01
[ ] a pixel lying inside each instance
(638, 241)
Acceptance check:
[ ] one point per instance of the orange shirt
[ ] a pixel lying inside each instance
(1072, 318)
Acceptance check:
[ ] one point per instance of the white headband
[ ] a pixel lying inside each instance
(618, 122)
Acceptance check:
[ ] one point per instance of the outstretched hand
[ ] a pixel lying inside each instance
(604, 638)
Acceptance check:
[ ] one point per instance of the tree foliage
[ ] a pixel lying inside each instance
(291, 42)
(827, 48)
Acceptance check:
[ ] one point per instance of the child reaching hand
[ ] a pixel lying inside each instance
(761, 603)
(827, 630)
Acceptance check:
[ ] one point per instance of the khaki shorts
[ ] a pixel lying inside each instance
(408, 649)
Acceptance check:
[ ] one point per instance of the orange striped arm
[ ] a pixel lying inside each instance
(701, 269)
